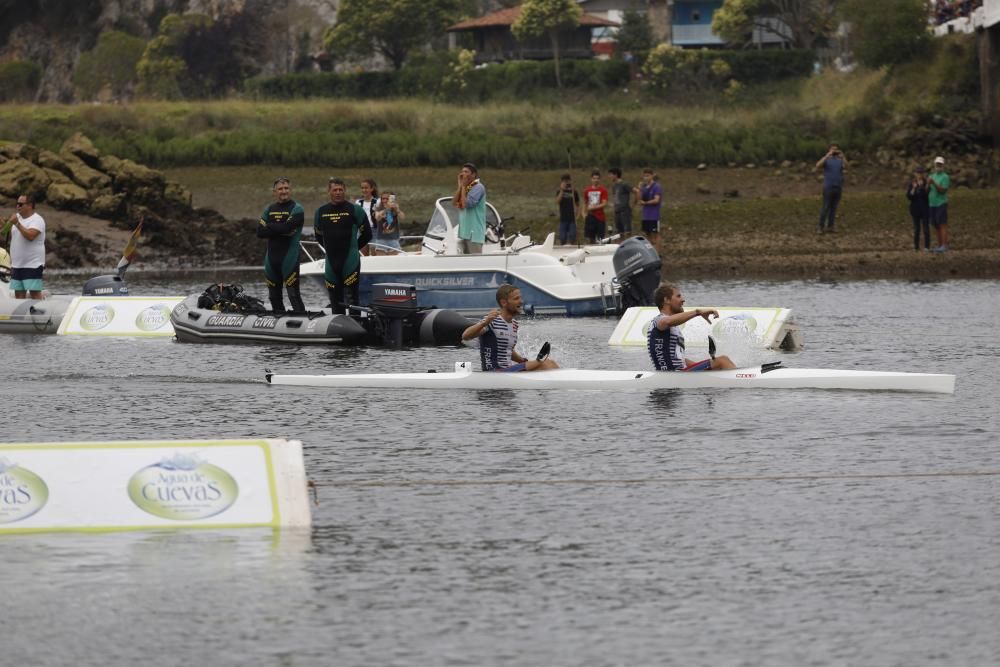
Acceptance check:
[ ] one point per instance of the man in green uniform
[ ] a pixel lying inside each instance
(342, 229)
(281, 224)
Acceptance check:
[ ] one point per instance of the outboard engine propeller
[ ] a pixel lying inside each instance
(394, 303)
(105, 286)
(637, 267)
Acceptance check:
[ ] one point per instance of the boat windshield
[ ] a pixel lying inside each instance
(446, 216)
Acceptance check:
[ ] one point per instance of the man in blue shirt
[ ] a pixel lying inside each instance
(834, 165)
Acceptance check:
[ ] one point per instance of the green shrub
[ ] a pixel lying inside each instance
(110, 63)
(19, 81)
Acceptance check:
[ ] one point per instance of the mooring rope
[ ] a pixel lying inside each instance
(653, 480)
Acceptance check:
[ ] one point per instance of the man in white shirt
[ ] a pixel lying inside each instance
(27, 249)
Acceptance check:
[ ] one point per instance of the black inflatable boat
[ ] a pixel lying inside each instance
(392, 320)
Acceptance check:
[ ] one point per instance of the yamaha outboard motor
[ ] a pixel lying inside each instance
(637, 267)
(394, 303)
(105, 286)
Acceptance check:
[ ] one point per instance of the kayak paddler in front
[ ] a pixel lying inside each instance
(665, 341)
(497, 334)
(281, 224)
(342, 229)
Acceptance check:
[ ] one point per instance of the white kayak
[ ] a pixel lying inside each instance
(764, 377)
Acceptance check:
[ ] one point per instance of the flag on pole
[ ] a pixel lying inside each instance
(129, 253)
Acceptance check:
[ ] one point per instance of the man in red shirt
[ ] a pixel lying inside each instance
(596, 198)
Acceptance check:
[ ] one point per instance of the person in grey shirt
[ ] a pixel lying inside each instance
(834, 165)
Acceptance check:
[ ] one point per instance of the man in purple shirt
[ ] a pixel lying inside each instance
(650, 194)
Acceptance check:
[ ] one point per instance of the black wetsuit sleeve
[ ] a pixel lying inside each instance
(318, 226)
(363, 226)
(292, 222)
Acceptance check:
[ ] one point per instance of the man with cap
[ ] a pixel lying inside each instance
(938, 184)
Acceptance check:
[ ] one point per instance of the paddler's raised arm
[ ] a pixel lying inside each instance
(680, 318)
(476, 330)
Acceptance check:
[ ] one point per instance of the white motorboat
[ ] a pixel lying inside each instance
(768, 376)
(558, 280)
(28, 315)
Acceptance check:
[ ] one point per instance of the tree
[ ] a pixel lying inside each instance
(391, 28)
(538, 17)
(807, 21)
(635, 34)
(110, 64)
(193, 56)
(887, 32)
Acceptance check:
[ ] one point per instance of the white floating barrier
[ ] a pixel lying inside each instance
(145, 485)
(764, 327)
(119, 316)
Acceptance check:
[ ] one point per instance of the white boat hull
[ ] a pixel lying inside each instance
(747, 378)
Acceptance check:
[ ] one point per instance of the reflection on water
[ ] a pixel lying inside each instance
(542, 527)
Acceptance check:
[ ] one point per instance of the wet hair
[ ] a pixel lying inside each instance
(280, 179)
(616, 171)
(336, 181)
(374, 186)
(663, 293)
(504, 292)
(471, 167)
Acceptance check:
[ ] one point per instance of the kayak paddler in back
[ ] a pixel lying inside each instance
(665, 341)
(497, 334)
(342, 229)
(281, 224)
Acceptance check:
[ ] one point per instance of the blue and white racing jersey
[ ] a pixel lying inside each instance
(497, 343)
(666, 348)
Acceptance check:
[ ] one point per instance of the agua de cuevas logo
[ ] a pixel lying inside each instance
(183, 488)
(22, 492)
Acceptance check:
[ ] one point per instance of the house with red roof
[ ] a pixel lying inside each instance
(494, 42)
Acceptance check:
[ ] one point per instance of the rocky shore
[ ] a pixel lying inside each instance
(90, 202)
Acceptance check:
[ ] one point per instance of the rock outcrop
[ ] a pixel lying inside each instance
(80, 179)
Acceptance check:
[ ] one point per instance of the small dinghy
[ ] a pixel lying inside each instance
(393, 320)
(767, 376)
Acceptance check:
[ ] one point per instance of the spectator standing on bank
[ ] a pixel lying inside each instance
(27, 249)
(834, 166)
(622, 199)
(470, 200)
(917, 193)
(595, 225)
(650, 194)
(568, 201)
(938, 185)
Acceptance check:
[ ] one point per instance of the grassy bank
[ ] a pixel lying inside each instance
(793, 120)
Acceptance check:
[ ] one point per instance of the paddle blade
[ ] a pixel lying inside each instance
(711, 347)
(544, 351)
(129, 252)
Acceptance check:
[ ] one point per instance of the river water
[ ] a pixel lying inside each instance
(704, 527)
